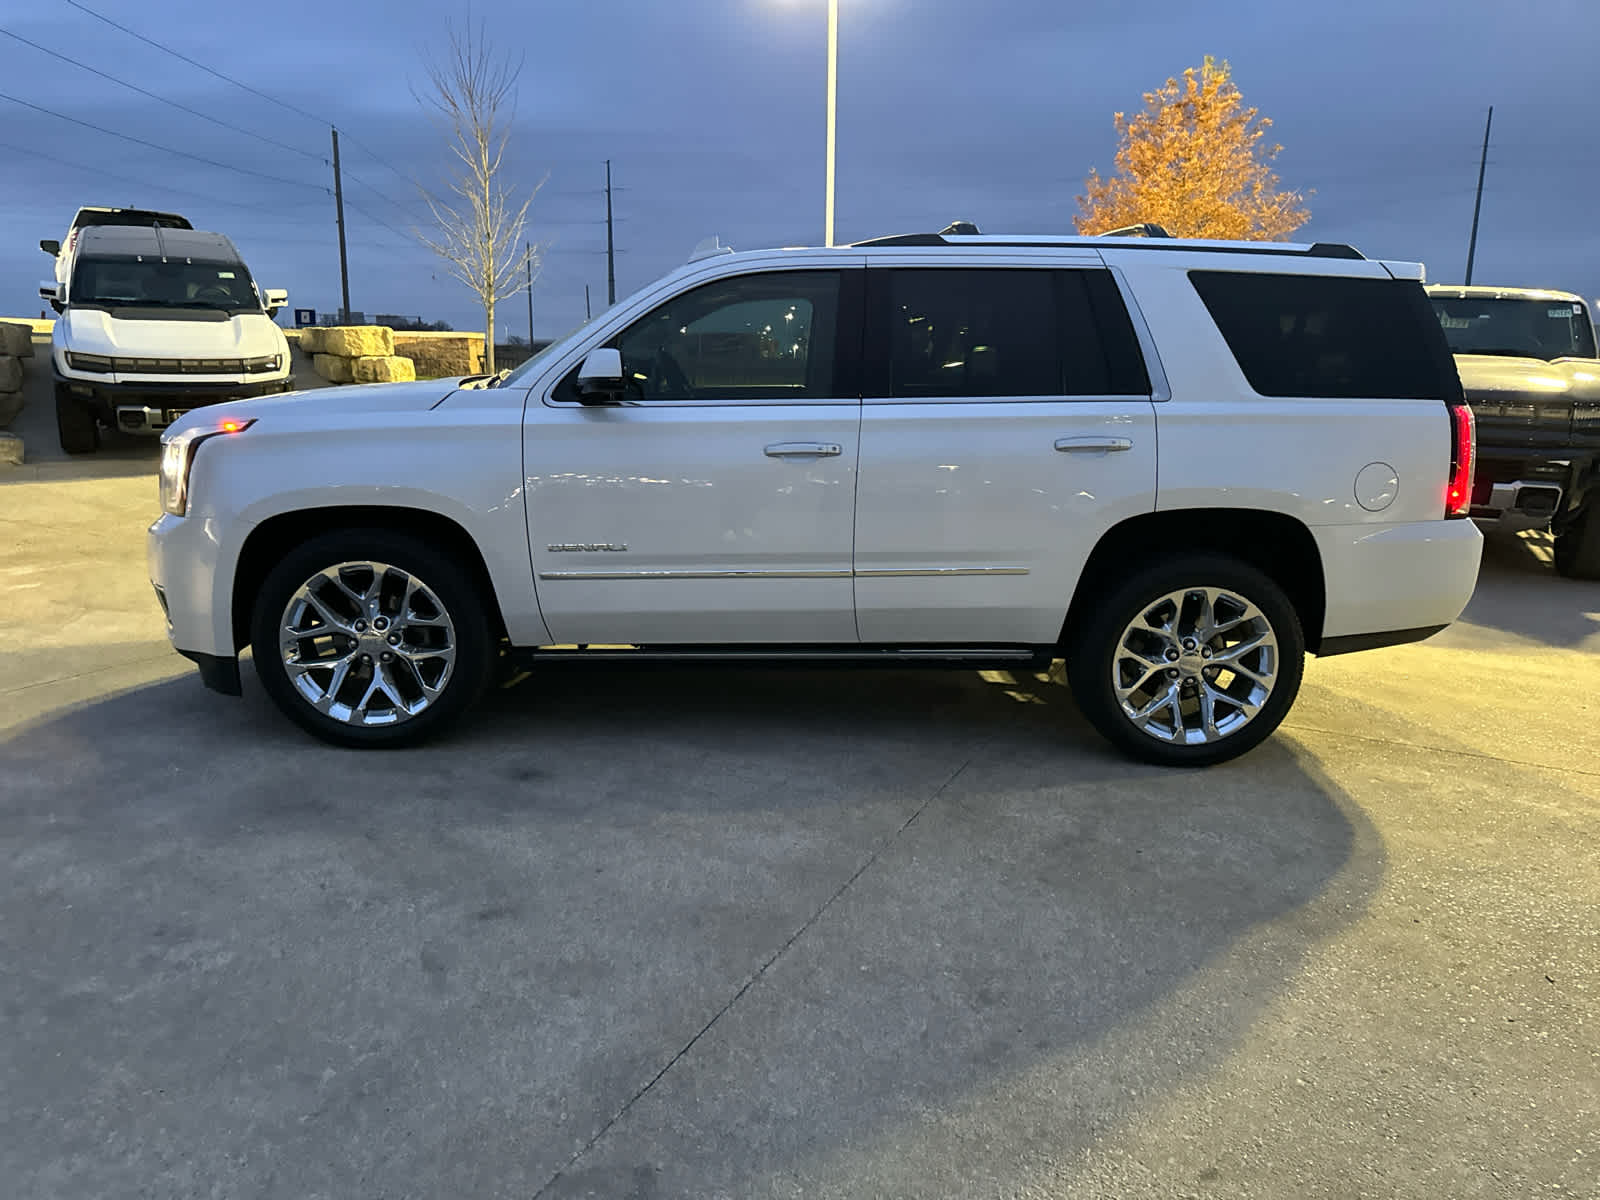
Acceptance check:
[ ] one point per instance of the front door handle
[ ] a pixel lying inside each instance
(1087, 445)
(804, 450)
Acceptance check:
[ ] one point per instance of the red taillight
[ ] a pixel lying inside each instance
(1463, 450)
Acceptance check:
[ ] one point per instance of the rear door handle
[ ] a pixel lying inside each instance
(804, 450)
(1086, 445)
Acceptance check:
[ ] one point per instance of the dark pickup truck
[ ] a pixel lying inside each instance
(1529, 367)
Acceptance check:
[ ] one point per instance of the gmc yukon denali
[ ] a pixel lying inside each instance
(1179, 466)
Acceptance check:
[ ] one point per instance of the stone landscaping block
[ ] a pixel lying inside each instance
(334, 368)
(10, 406)
(358, 341)
(10, 450)
(311, 340)
(438, 357)
(10, 373)
(375, 368)
(16, 340)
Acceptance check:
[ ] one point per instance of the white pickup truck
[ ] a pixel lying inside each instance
(1177, 465)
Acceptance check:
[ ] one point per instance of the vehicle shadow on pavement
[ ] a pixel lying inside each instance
(666, 932)
(1519, 592)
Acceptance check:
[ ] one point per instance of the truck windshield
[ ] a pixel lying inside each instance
(1544, 329)
(130, 283)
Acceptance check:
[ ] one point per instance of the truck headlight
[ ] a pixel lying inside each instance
(98, 364)
(177, 459)
(267, 362)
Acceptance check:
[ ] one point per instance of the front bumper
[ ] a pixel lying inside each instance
(183, 560)
(149, 406)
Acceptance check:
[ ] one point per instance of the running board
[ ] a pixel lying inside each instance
(831, 656)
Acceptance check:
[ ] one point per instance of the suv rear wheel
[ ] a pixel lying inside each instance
(371, 638)
(75, 424)
(1189, 662)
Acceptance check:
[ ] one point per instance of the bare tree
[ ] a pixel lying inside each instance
(473, 92)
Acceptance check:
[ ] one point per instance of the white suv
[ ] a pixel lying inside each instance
(1177, 465)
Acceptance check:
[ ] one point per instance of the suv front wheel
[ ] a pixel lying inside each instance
(371, 638)
(1188, 662)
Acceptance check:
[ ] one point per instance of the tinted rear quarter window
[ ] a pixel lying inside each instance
(1322, 336)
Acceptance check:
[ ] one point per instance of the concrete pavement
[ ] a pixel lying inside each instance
(744, 933)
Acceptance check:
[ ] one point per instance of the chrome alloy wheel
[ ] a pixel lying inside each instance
(1195, 666)
(367, 643)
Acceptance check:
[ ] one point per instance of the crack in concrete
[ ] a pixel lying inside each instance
(754, 978)
(1382, 741)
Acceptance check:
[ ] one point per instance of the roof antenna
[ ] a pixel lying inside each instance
(959, 229)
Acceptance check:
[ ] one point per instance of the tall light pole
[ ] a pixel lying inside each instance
(833, 97)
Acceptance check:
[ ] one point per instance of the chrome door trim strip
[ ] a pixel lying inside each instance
(586, 575)
(938, 572)
(941, 572)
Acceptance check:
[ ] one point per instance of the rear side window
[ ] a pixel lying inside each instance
(1319, 336)
(953, 333)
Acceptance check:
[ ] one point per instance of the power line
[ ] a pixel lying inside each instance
(146, 92)
(193, 63)
(379, 221)
(383, 162)
(349, 174)
(144, 183)
(127, 137)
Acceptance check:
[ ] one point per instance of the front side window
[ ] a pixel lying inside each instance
(129, 282)
(751, 337)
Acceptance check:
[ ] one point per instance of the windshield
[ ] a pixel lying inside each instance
(1544, 329)
(126, 282)
(521, 373)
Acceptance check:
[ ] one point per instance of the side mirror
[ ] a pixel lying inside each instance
(50, 246)
(51, 291)
(600, 377)
(276, 299)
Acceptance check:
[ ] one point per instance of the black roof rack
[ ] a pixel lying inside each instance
(1160, 239)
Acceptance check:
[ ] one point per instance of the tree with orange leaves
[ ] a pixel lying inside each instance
(1194, 163)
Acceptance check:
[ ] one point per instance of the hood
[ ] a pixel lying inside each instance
(202, 335)
(329, 403)
(1493, 375)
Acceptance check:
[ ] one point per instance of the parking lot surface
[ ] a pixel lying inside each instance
(759, 933)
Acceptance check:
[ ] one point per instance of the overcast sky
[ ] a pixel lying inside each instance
(712, 114)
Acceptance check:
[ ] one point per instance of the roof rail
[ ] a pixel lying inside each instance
(1158, 240)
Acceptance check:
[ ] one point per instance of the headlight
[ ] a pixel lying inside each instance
(177, 458)
(99, 364)
(267, 362)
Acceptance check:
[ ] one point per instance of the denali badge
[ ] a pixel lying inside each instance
(565, 547)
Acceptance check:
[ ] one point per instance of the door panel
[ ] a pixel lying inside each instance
(973, 527)
(992, 457)
(715, 505)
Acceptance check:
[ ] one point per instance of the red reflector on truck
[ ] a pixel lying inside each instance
(1463, 450)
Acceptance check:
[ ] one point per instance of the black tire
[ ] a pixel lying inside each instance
(1093, 655)
(75, 424)
(457, 594)
(1578, 546)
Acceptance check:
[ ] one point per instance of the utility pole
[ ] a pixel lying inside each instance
(1477, 204)
(587, 311)
(611, 252)
(529, 262)
(338, 204)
